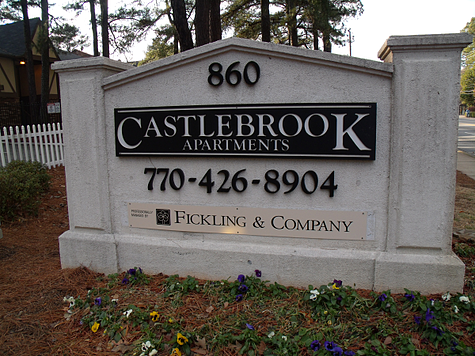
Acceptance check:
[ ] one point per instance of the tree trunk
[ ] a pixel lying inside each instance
(327, 45)
(292, 22)
(315, 38)
(202, 23)
(30, 68)
(215, 20)
(181, 24)
(44, 47)
(105, 28)
(95, 41)
(265, 21)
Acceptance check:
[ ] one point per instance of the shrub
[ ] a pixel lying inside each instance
(21, 185)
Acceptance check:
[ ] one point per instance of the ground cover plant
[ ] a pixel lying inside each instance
(49, 311)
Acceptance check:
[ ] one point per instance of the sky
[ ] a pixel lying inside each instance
(380, 19)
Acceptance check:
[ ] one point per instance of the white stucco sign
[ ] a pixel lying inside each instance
(242, 155)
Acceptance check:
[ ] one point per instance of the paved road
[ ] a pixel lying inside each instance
(467, 135)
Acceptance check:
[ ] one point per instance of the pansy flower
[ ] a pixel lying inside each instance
(154, 315)
(132, 271)
(337, 284)
(329, 345)
(382, 297)
(446, 297)
(349, 353)
(241, 278)
(243, 288)
(439, 332)
(337, 351)
(95, 327)
(250, 327)
(315, 345)
(410, 297)
(314, 294)
(127, 313)
(98, 301)
(239, 297)
(258, 273)
(182, 340)
(125, 280)
(464, 299)
(176, 352)
(146, 345)
(429, 315)
(417, 319)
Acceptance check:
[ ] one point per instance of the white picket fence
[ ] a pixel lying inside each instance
(42, 143)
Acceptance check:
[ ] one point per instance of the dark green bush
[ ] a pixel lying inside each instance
(21, 185)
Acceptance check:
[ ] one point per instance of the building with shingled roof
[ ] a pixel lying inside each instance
(14, 95)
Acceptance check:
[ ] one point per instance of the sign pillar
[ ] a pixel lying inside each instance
(423, 157)
(86, 160)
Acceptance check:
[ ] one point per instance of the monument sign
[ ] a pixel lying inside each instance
(242, 155)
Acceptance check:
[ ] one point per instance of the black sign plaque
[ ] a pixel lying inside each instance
(273, 130)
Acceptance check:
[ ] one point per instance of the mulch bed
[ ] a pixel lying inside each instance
(33, 284)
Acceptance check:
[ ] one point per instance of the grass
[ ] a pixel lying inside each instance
(161, 315)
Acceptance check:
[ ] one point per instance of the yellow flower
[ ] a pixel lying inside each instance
(329, 322)
(95, 327)
(181, 339)
(175, 352)
(154, 315)
(334, 286)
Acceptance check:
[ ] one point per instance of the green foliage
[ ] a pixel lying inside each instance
(467, 79)
(21, 185)
(464, 250)
(334, 317)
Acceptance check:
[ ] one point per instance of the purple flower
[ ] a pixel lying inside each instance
(337, 283)
(241, 278)
(258, 273)
(238, 297)
(250, 327)
(125, 280)
(429, 315)
(349, 353)
(243, 288)
(98, 301)
(439, 332)
(315, 345)
(330, 345)
(382, 297)
(417, 319)
(131, 271)
(337, 351)
(410, 297)
(140, 270)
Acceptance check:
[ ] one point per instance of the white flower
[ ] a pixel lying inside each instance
(271, 335)
(456, 310)
(146, 345)
(446, 297)
(464, 299)
(432, 302)
(284, 337)
(115, 300)
(153, 352)
(314, 294)
(127, 313)
(71, 301)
